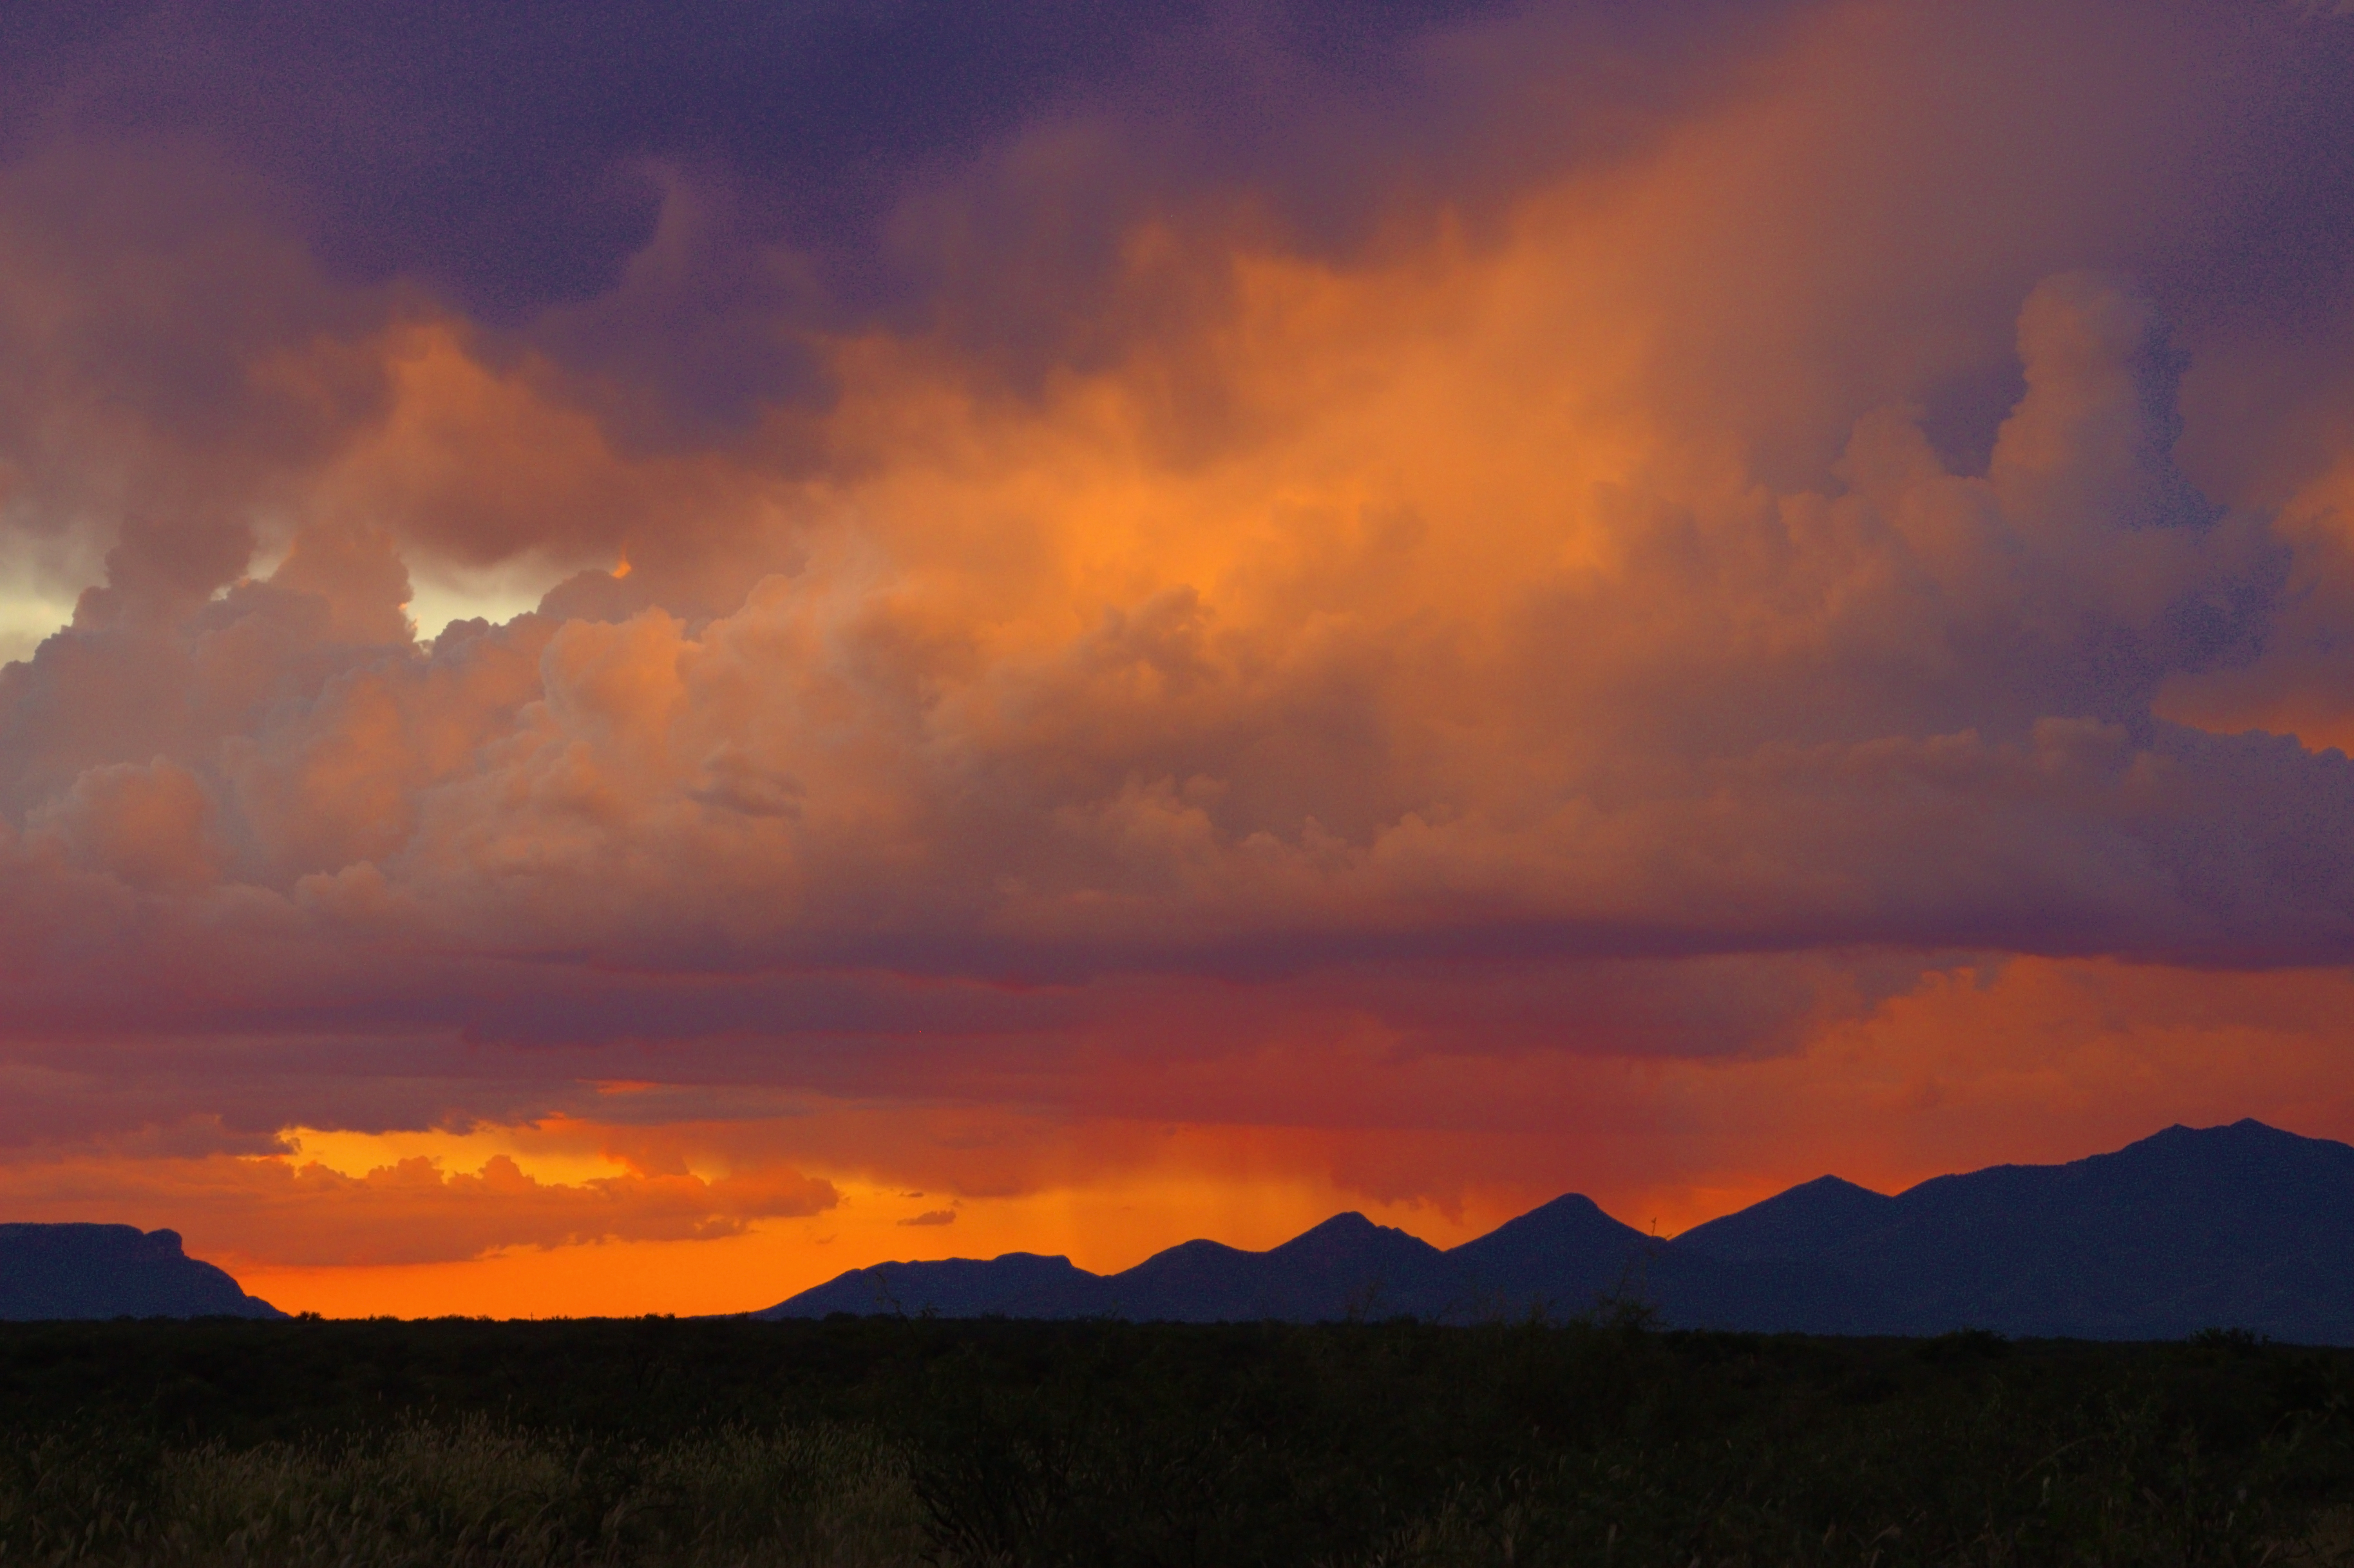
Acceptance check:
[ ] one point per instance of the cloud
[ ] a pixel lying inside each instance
(301, 1213)
(1808, 530)
(1913, 711)
(172, 353)
(931, 1217)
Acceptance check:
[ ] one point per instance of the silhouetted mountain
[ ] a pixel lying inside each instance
(1777, 1266)
(1347, 1266)
(112, 1271)
(1558, 1258)
(2240, 1226)
(953, 1288)
(1808, 1218)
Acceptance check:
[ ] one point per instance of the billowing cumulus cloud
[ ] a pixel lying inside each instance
(1680, 714)
(1394, 639)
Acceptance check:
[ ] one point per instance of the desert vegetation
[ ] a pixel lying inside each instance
(875, 1442)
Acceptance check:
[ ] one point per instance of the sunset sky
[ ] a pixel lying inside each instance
(664, 649)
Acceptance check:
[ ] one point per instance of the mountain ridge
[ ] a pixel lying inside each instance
(2242, 1225)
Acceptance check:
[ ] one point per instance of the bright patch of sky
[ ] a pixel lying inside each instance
(439, 594)
(26, 617)
(38, 585)
(34, 604)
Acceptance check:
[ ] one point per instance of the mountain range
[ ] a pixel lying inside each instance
(112, 1271)
(2242, 1226)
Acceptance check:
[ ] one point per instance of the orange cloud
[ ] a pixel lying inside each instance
(303, 1214)
(1549, 696)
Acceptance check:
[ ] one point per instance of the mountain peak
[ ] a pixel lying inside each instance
(1347, 1222)
(2247, 1130)
(2247, 1127)
(1568, 1203)
(1828, 1212)
(1351, 1236)
(1827, 1184)
(1571, 1220)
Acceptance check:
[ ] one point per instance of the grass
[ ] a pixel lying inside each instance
(469, 1494)
(870, 1442)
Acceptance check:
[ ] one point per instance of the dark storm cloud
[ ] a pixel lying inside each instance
(515, 158)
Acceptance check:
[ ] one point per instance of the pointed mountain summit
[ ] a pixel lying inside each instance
(2238, 1226)
(112, 1271)
(1347, 1266)
(1809, 1220)
(1560, 1257)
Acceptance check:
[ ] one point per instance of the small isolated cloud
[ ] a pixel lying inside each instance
(931, 1217)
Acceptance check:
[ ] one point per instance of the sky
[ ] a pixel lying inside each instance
(659, 650)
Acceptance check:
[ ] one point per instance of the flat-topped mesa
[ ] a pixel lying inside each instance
(2239, 1226)
(112, 1271)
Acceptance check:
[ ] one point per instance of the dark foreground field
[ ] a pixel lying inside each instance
(879, 1441)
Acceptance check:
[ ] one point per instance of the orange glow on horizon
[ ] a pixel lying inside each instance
(1905, 1094)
